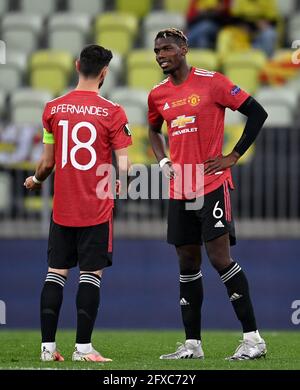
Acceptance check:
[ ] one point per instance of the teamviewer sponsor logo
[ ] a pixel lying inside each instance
(2, 52)
(2, 313)
(296, 313)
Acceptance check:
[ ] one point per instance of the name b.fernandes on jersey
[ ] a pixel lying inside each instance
(79, 109)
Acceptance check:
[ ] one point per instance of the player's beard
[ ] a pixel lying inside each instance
(171, 70)
(168, 71)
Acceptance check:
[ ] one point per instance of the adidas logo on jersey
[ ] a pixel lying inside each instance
(235, 296)
(166, 106)
(219, 224)
(184, 302)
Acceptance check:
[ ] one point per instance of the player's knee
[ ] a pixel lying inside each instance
(218, 260)
(98, 273)
(189, 267)
(189, 258)
(63, 272)
(189, 263)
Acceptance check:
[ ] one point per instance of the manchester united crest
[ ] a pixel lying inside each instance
(194, 100)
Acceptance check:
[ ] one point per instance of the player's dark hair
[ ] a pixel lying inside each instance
(92, 60)
(177, 35)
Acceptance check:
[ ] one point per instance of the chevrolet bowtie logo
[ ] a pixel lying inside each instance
(182, 121)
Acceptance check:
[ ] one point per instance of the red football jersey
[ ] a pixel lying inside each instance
(86, 128)
(194, 112)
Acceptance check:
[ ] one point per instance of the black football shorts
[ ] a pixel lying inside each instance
(214, 219)
(90, 247)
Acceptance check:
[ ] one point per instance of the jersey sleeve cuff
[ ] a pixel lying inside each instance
(122, 146)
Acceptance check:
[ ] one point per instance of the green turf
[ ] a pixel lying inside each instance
(140, 350)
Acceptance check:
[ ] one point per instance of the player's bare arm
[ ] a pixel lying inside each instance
(256, 116)
(43, 170)
(124, 166)
(158, 144)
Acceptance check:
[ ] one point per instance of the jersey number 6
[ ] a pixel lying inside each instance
(218, 212)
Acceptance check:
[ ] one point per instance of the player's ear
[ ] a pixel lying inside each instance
(103, 72)
(184, 50)
(77, 65)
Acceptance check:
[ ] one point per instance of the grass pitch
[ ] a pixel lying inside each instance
(140, 350)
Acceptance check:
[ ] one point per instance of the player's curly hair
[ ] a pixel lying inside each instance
(174, 33)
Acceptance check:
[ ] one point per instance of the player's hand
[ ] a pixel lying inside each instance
(218, 164)
(31, 185)
(168, 171)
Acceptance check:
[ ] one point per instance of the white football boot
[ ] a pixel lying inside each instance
(92, 356)
(188, 350)
(249, 350)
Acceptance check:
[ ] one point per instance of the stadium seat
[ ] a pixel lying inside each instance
(280, 104)
(116, 30)
(113, 74)
(294, 84)
(203, 58)
(2, 52)
(233, 117)
(68, 31)
(294, 27)
(134, 102)
(143, 71)
(51, 70)
(234, 127)
(90, 7)
(2, 101)
(34, 204)
(27, 105)
(286, 7)
(140, 151)
(21, 31)
(160, 20)
(38, 7)
(137, 7)
(176, 5)
(243, 68)
(5, 191)
(232, 134)
(12, 72)
(3, 7)
(232, 39)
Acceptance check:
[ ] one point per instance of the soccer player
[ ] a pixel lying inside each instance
(192, 101)
(81, 129)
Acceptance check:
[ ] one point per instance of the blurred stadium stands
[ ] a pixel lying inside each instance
(43, 39)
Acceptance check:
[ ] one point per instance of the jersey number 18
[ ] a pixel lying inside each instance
(78, 144)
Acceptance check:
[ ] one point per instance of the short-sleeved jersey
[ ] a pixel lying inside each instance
(194, 112)
(85, 129)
